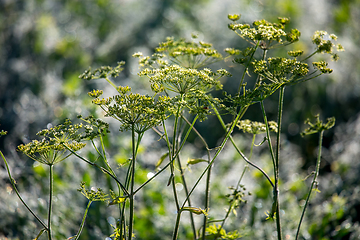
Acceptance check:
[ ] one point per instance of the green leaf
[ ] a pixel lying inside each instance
(117, 200)
(194, 210)
(162, 158)
(195, 161)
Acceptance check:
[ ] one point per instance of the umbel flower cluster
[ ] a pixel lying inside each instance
(133, 111)
(51, 149)
(254, 127)
(58, 140)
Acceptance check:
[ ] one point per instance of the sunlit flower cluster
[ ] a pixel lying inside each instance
(188, 54)
(137, 111)
(264, 31)
(254, 127)
(322, 66)
(183, 80)
(55, 143)
(280, 70)
(325, 43)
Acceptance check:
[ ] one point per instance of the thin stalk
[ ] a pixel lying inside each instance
(207, 188)
(126, 193)
(131, 215)
(177, 224)
(278, 143)
(150, 179)
(111, 83)
(207, 199)
(237, 186)
(219, 149)
(184, 182)
(310, 56)
(83, 220)
(169, 145)
(268, 136)
(51, 192)
(12, 181)
(108, 166)
(172, 158)
(312, 184)
(238, 150)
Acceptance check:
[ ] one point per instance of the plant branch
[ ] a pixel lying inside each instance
(13, 183)
(312, 183)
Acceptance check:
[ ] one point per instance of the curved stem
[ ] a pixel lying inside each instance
(83, 220)
(238, 150)
(268, 136)
(12, 181)
(312, 184)
(220, 148)
(99, 167)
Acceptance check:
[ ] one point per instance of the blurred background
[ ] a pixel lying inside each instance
(46, 44)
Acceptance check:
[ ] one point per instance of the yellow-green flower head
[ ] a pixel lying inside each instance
(325, 43)
(3, 133)
(183, 80)
(135, 111)
(281, 70)
(53, 147)
(189, 54)
(322, 66)
(253, 127)
(234, 17)
(268, 33)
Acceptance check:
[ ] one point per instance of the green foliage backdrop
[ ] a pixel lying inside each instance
(45, 45)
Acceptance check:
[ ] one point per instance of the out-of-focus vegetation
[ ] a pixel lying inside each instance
(45, 45)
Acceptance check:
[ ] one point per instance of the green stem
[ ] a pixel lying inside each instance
(220, 148)
(131, 215)
(99, 167)
(12, 181)
(303, 60)
(268, 137)
(111, 83)
(231, 205)
(83, 220)
(278, 143)
(207, 190)
(177, 224)
(238, 150)
(312, 184)
(172, 158)
(185, 184)
(207, 199)
(50, 199)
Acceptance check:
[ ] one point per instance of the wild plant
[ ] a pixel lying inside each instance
(182, 84)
